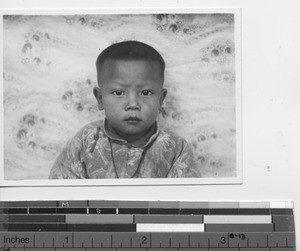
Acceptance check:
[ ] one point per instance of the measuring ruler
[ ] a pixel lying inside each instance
(146, 225)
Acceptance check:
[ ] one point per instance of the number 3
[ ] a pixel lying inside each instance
(223, 240)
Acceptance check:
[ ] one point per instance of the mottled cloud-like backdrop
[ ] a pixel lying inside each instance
(49, 74)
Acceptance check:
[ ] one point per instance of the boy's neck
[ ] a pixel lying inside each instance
(138, 140)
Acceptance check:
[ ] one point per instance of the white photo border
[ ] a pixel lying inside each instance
(237, 11)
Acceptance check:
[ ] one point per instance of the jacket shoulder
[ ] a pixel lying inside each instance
(172, 136)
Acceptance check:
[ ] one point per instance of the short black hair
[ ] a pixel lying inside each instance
(130, 50)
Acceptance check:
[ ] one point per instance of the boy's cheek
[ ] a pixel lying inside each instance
(111, 100)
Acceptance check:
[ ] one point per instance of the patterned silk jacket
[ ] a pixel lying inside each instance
(95, 153)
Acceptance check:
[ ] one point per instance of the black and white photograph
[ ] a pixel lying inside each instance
(97, 98)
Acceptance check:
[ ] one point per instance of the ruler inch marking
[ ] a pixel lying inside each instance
(228, 239)
(34, 240)
(73, 244)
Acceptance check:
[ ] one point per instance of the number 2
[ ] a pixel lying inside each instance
(144, 240)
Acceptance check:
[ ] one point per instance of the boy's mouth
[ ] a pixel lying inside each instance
(133, 119)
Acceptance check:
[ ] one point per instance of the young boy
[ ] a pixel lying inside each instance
(128, 143)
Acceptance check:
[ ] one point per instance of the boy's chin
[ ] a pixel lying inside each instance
(132, 130)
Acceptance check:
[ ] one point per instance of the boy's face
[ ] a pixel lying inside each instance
(131, 95)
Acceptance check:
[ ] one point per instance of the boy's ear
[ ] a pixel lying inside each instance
(163, 96)
(98, 96)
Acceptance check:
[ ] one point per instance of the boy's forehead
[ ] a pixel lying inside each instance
(119, 66)
(109, 63)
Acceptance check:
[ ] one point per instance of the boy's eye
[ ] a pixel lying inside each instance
(118, 92)
(146, 93)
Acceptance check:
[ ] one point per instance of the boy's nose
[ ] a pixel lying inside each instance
(133, 103)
